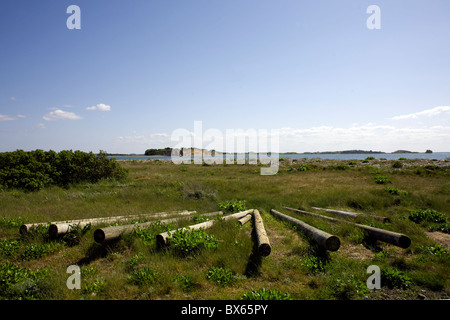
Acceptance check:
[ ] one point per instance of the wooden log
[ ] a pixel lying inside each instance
(322, 238)
(262, 240)
(113, 233)
(387, 236)
(245, 219)
(352, 215)
(161, 239)
(26, 227)
(59, 228)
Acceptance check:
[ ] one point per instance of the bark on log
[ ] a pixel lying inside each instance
(262, 240)
(323, 239)
(113, 233)
(352, 215)
(26, 227)
(57, 229)
(387, 236)
(245, 219)
(161, 239)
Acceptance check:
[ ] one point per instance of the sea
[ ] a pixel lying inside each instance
(332, 156)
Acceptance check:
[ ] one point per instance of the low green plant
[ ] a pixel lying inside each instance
(221, 276)
(394, 278)
(313, 264)
(397, 165)
(266, 294)
(395, 191)
(348, 287)
(233, 205)
(95, 287)
(21, 283)
(185, 282)
(148, 233)
(428, 215)
(382, 180)
(187, 242)
(36, 251)
(9, 247)
(143, 276)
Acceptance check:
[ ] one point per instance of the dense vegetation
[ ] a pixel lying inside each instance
(34, 170)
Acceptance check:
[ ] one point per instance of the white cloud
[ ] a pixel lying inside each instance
(13, 99)
(4, 117)
(20, 116)
(61, 115)
(41, 126)
(427, 113)
(100, 107)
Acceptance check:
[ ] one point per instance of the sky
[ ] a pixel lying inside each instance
(138, 71)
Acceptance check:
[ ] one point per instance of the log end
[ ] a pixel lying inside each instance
(160, 240)
(99, 235)
(333, 243)
(23, 229)
(264, 249)
(53, 231)
(404, 241)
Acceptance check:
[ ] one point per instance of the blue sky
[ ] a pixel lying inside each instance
(138, 70)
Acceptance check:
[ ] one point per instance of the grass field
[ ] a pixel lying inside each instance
(34, 267)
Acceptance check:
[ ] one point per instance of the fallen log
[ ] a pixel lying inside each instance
(352, 215)
(58, 229)
(113, 233)
(323, 239)
(26, 227)
(262, 240)
(387, 236)
(161, 238)
(245, 219)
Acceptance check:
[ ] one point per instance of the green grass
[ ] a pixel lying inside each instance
(221, 262)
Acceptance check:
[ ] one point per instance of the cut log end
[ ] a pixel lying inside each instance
(160, 240)
(53, 231)
(333, 243)
(404, 242)
(99, 235)
(23, 229)
(264, 249)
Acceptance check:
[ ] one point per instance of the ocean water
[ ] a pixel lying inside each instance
(388, 156)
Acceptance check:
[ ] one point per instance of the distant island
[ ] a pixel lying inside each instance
(197, 151)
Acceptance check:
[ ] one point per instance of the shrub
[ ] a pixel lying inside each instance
(313, 264)
(95, 287)
(394, 278)
(369, 158)
(185, 282)
(148, 234)
(20, 283)
(396, 191)
(382, 180)
(233, 205)
(34, 170)
(221, 276)
(266, 294)
(9, 247)
(428, 215)
(143, 276)
(397, 165)
(187, 242)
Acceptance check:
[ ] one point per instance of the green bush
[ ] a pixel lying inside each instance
(34, 170)
(397, 165)
(187, 242)
(428, 215)
(20, 283)
(221, 276)
(266, 294)
(396, 191)
(9, 247)
(382, 180)
(143, 276)
(233, 205)
(394, 278)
